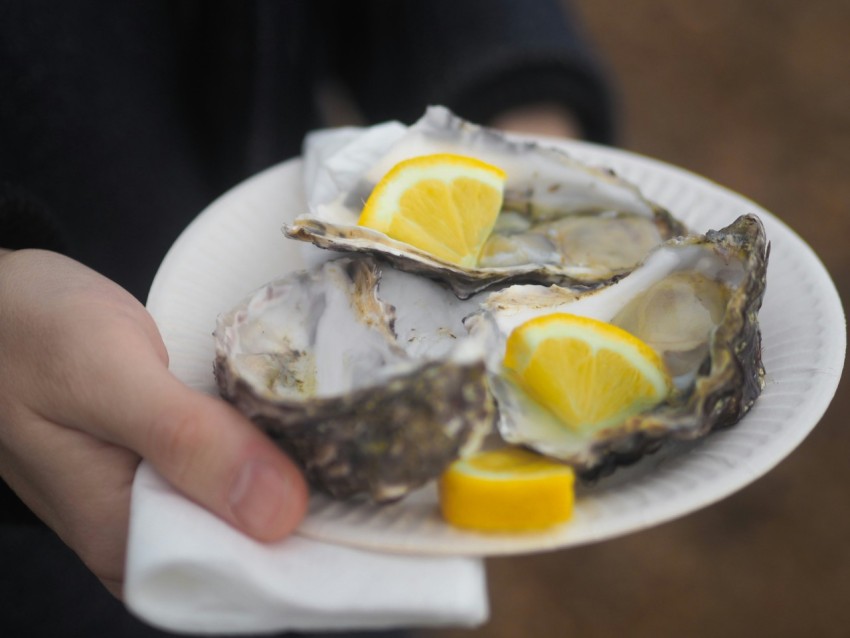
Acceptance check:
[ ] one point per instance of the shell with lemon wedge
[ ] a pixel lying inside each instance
(549, 218)
(684, 326)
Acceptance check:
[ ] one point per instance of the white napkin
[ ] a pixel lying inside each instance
(188, 571)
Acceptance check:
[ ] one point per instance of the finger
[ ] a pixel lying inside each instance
(220, 459)
(200, 444)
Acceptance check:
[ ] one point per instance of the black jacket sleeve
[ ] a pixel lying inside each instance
(478, 57)
(26, 223)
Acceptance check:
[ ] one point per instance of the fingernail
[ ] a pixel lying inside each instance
(257, 497)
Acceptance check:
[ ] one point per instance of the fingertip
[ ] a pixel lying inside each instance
(268, 498)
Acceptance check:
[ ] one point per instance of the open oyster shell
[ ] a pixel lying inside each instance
(695, 300)
(562, 221)
(353, 372)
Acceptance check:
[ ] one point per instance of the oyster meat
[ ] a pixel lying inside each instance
(562, 221)
(695, 300)
(358, 371)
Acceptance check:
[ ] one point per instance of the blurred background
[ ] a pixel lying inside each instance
(756, 96)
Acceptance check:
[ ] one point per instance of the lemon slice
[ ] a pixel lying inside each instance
(506, 490)
(590, 374)
(445, 205)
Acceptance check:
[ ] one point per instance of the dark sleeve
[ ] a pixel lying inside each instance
(478, 57)
(26, 223)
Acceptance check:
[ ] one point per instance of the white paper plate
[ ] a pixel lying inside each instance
(236, 245)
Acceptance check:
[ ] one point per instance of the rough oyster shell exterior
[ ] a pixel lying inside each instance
(383, 439)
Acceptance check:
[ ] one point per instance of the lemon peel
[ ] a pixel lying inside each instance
(506, 490)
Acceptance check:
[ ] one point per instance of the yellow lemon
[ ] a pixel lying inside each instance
(506, 490)
(444, 204)
(589, 373)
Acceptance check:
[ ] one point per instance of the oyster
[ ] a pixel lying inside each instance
(695, 300)
(351, 370)
(562, 221)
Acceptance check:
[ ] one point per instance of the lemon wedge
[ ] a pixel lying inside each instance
(588, 373)
(506, 490)
(444, 204)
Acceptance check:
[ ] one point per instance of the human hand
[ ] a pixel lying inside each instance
(539, 119)
(85, 393)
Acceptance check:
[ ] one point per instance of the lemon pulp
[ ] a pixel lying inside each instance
(446, 205)
(589, 373)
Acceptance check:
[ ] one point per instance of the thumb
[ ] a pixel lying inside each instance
(218, 458)
(199, 443)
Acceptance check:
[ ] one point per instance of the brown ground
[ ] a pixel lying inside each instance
(756, 96)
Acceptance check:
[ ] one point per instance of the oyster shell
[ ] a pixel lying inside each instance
(562, 221)
(695, 300)
(349, 368)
